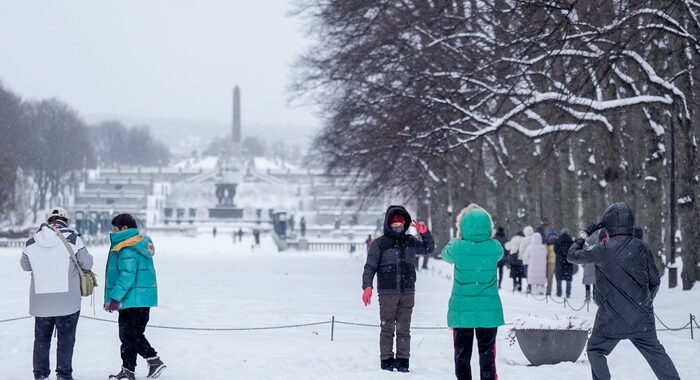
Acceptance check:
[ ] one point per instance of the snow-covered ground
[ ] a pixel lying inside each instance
(208, 282)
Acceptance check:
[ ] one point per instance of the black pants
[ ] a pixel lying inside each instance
(132, 325)
(500, 275)
(43, 329)
(486, 343)
(568, 288)
(647, 343)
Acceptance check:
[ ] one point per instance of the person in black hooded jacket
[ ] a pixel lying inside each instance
(393, 258)
(626, 283)
(564, 270)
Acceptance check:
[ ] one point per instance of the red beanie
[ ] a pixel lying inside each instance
(397, 219)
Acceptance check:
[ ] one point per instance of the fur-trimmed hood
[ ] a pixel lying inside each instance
(474, 223)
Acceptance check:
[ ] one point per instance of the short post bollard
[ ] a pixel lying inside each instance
(332, 328)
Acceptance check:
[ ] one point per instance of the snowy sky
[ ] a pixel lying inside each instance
(171, 59)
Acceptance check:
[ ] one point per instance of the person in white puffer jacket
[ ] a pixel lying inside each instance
(537, 265)
(54, 294)
(524, 243)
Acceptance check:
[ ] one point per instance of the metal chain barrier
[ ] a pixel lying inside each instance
(666, 328)
(219, 328)
(15, 319)
(555, 301)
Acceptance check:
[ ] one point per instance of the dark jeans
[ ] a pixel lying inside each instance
(568, 288)
(132, 325)
(589, 290)
(44, 327)
(500, 275)
(486, 343)
(395, 312)
(647, 343)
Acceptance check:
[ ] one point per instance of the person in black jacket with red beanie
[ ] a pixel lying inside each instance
(393, 258)
(626, 283)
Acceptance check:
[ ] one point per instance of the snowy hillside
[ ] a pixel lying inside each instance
(211, 283)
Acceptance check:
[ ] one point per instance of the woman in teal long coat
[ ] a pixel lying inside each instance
(475, 306)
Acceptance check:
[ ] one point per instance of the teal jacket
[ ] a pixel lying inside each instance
(131, 276)
(475, 254)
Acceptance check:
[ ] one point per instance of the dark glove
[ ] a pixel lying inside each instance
(112, 305)
(579, 243)
(593, 227)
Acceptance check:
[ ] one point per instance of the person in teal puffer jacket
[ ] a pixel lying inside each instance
(131, 288)
(475, 306)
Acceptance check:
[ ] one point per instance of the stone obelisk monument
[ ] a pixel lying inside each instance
(230, 169)
(236, 124)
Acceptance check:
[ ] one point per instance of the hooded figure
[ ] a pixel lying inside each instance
(393, 258)
(627, 281)
(537, 266)
(564, 269)
(475, 306)
(524, 243)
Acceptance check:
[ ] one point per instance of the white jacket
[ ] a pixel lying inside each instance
(55, 284)
(524, 243)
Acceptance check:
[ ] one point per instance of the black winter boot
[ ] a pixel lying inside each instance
(155, 367)
(388, 364)
(402, 365)
(125, 374)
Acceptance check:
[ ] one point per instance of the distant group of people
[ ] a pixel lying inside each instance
(58, 259)
(540, 259)
(612, 252)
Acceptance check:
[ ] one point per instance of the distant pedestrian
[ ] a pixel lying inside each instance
(213, 232)
(302, 226)
(240, 235)
(368, 242)
(589, 268)
(291, 222)
(501, 237)
(516, 261)
(536, 253)
(393, 257)
(132, 290)
(551, 259)
(256, 237)
(564, 270)
(524, 243)
(475, 306)
(627, 281)
(55, 295)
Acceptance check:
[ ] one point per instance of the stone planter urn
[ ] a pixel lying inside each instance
(551, 342)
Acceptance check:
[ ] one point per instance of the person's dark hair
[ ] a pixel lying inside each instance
(124, 220)
(59, 220)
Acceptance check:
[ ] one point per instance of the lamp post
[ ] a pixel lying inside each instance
(672, 269)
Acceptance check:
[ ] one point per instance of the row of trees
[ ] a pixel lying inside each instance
(543, 111)
(254, 146)
(45, 144)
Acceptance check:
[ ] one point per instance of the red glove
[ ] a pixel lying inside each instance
(421, 227)
(367, 295)
(113, 305)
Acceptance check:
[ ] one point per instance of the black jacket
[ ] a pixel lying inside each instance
(501, 237)
(626, 277)
(393, 257)
(564, 270)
